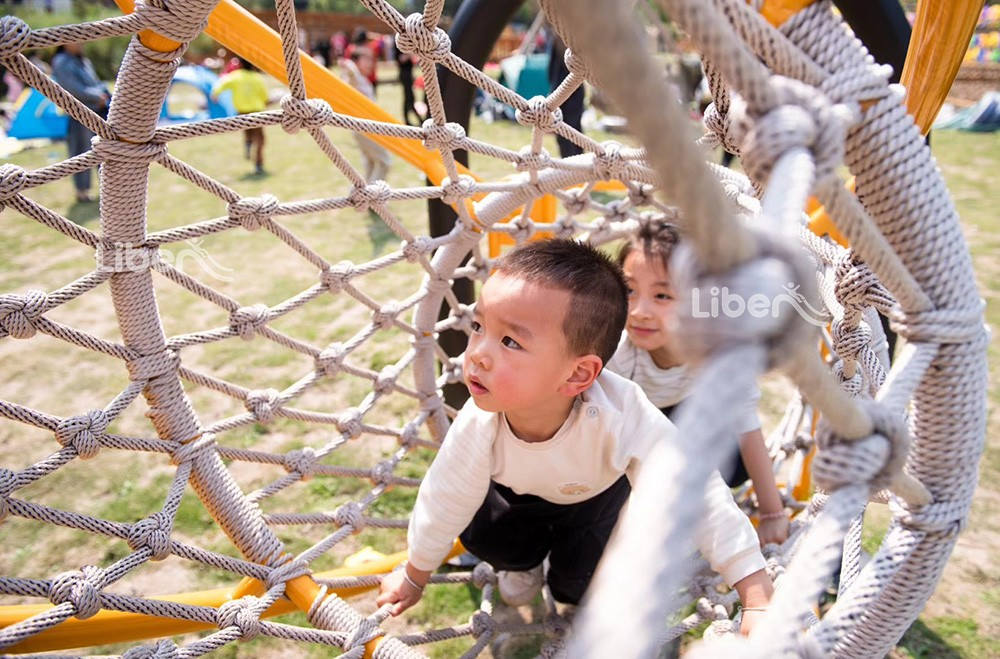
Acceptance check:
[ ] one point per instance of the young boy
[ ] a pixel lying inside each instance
(538, 463)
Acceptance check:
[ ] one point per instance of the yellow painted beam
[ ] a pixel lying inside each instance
(117, 626)
(941, 34)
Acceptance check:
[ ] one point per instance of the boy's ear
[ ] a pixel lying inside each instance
(586, 370)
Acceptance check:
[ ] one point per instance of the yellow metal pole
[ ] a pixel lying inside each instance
(117, 626)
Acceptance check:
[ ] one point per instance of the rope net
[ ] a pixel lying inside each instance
(794, 106)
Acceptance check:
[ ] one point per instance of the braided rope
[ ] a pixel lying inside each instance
(796, 127)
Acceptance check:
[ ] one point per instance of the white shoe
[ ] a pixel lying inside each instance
(519, 588)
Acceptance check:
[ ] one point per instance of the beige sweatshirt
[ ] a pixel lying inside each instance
(610, 431)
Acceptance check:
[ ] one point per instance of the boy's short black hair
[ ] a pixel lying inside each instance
(598, 297)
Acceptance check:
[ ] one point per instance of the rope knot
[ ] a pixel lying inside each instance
(131, 152)
(374, 195)
(240, 613)
(331, 359)
(14, 35)
(482, 574)
(263, 404)
(850, 341)
(453, 370)
(804, 119)
(246, 321)
(447, 137)
(727, 129)
(83, 432)
(163, 649)
(576, 202)
(302, 461)
(529, 160)
(617, 211)
(417, 38)
(126, 257)
(386, 380)
(336, 277)
(152, 366)
(12, 178)
(81, 588)
(940, 326)
(18, 313)
(640, 194)
(946, 518)
(752, 302)
(481, 269)
(162, 20)
(192, 450)
(349, 423)
(462, 315)
(152, 532)
(854, 279)
(452, 192)
(385, 316)
(524, 229)
(482, 623)
(539, 115)
(610, 164)
(409, 434)
(431, 403)
(852, 385)
(297, 113)
(253, 212)
(350, 514)
(414, 249)
(382, 473)
(874, 460)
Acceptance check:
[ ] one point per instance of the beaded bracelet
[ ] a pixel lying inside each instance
(775, 515)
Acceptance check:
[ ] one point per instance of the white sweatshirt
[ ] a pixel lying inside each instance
(610, 431)
(666, 387)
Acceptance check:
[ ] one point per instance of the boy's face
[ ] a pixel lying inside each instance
(518, 359)
(650, 301)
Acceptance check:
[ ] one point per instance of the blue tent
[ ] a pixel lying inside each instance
(983, 117)
(37, 116)
(528, 75)
(203, 80)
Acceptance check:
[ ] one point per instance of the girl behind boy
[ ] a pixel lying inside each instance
(645, 356)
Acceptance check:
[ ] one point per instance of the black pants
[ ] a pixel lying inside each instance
(516, 531)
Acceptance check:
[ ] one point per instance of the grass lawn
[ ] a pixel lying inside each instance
(961, 620)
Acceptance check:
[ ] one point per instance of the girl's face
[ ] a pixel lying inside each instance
(650, 302)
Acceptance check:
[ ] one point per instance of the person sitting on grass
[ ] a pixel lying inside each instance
(538, 463)
(249, 95)
(645, 356)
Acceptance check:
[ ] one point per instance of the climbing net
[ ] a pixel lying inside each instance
(794, 106)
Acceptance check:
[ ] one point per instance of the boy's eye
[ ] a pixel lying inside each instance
(628, 290)
(664, 296)
(476, 327)
(510, 343)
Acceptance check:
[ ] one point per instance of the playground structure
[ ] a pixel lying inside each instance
(907, 259)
